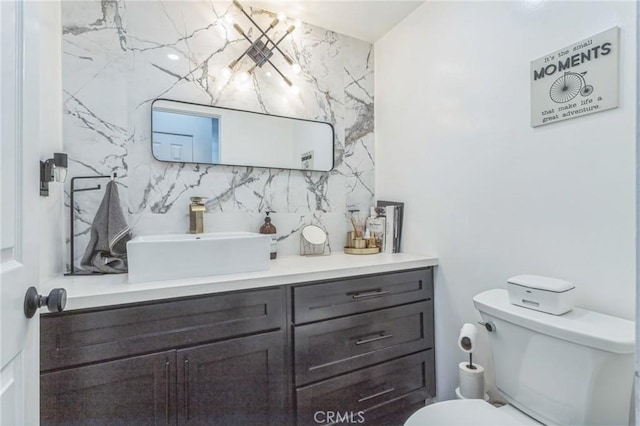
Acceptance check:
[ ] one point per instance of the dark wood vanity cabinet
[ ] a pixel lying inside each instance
(215, 359)
(357, 350)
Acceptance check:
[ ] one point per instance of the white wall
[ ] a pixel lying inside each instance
(637, 366)
(486, 193)
(253, 142)
(51, 209)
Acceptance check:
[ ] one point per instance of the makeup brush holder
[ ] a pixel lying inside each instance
(357, 245)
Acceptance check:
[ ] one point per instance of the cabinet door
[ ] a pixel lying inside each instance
(130, 391)
(234, 382)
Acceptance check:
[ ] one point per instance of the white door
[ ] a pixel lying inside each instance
(19, 178)
(173, 147)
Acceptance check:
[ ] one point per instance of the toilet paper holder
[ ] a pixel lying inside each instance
(467, 341)
(471, 376)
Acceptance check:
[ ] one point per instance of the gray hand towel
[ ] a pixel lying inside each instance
(107, 249)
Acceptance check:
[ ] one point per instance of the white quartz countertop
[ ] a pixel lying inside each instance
(105, 290)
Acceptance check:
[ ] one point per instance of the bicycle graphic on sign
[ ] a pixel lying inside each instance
(568, 86)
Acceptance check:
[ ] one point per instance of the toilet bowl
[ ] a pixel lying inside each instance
(468, 412)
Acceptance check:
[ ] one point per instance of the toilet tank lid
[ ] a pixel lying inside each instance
(539, 282)
(587, 328)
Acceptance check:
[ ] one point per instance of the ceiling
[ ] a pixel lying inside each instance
(365, 19)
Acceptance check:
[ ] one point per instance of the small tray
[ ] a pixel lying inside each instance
(351, 250)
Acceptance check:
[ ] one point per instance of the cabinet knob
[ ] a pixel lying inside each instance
(55, 301)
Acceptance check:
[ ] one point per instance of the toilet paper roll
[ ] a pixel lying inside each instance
(467, 338)
(471, 381)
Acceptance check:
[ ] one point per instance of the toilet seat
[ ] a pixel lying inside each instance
(467, 412)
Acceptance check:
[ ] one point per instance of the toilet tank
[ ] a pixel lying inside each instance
(571, 369)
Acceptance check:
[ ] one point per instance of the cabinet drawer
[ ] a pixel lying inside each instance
(336, 346)
(82, 337)
(345, 297)
(368, 394)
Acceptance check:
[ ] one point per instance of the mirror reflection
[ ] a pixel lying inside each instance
(191, 133)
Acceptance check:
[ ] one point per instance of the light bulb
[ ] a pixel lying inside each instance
(226, 72)
(243, 76)
(295, 89)
(173, 56)
(268, 74)
(60, 173)
(281, 16)
(296, 68)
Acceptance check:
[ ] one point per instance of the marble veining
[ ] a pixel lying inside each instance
(115, 64)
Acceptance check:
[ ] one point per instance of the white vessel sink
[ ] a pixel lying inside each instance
(176, 256)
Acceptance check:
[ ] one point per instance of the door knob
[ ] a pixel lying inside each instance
(55, 301)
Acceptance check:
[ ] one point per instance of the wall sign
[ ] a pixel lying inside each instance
(578, 80)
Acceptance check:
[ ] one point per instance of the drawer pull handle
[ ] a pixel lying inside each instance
(166, 390)
(186, 388)
(381, 336)
(375, 395)
(374, 293)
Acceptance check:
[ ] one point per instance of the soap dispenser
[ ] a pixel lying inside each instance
(268, 228)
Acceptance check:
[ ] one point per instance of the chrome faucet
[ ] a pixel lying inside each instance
(196, 212)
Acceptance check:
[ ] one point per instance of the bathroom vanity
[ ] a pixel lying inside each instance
(302, 343)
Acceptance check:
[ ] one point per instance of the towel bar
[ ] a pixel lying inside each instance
(72, 269)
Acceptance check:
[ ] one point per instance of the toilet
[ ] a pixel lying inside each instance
(570, 369)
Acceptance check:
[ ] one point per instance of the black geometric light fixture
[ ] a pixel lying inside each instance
(262, 48)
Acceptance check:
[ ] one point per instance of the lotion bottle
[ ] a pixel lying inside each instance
(268, 228)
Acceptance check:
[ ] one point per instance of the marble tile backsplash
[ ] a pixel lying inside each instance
(115, 64)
